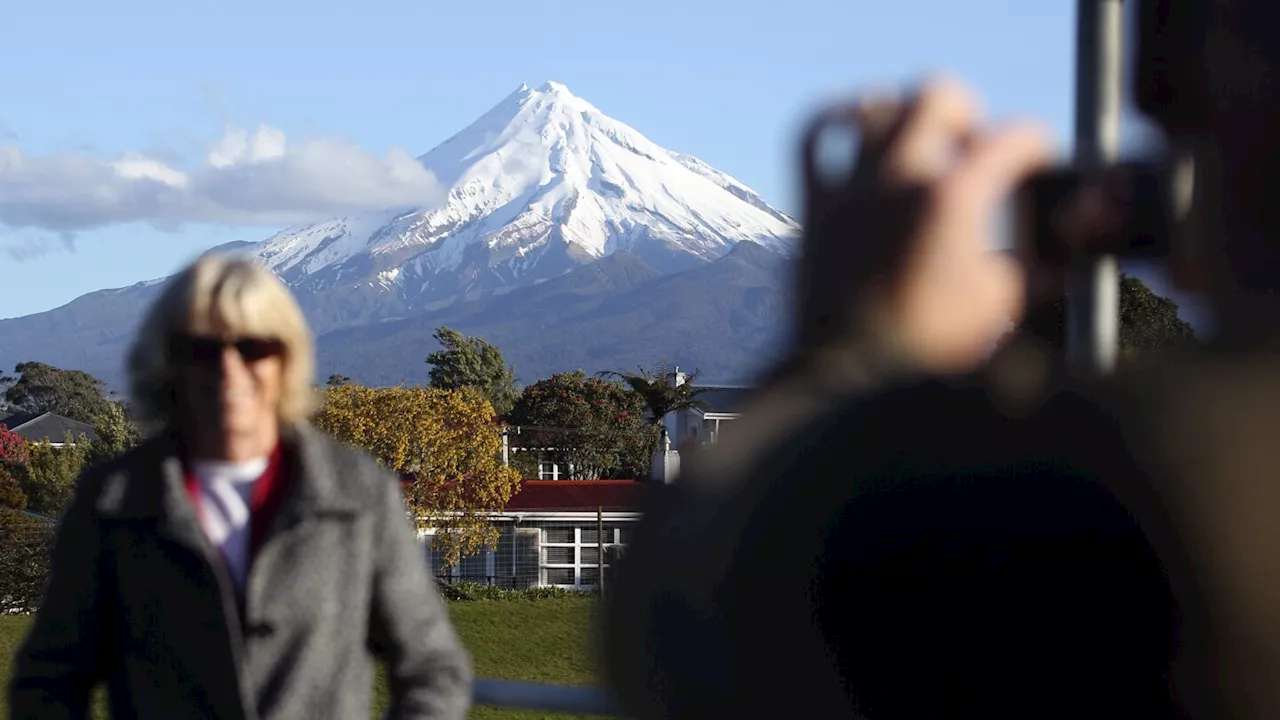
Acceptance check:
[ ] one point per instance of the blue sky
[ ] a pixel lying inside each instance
(83, 83)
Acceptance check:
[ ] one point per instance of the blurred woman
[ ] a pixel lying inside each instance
(239, 564)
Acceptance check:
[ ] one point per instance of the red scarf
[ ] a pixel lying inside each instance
(268, 495)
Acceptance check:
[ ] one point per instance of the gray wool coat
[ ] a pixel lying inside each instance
(139, 599)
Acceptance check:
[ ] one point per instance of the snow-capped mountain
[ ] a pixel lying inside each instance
(564, 236)
(541, 183)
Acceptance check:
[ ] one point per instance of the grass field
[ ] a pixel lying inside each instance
(546, 640)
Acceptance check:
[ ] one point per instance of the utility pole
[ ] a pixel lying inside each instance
(1093, 286)
(600, 549)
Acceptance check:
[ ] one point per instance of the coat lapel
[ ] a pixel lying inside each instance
(314, 498)
(316, 489)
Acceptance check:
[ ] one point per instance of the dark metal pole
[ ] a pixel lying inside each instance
(1093, 288)
(600, 547)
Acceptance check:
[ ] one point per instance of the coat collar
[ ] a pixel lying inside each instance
(149, 482)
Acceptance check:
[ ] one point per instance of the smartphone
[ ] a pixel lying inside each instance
(1066, 214)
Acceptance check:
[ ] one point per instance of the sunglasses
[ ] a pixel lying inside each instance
(204, 350)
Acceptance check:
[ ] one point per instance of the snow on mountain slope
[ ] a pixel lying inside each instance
(540, 183)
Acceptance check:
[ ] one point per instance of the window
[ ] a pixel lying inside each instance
(548, 470)
(571, 554)
(477, 568)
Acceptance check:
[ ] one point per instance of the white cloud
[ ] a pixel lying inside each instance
(237, 147)
(245, 178)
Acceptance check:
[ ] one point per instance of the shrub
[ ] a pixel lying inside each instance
(26, 544)
(480, 591)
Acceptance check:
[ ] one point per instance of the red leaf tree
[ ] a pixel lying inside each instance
(13, 452)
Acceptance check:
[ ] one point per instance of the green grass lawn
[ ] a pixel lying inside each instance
(546, 640)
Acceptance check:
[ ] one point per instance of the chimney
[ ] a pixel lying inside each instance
(665, 462)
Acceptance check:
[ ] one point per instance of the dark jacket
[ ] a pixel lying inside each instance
(138, 599)
(959, 548)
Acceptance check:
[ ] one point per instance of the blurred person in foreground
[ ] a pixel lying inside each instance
(901, 527)
(239, 564)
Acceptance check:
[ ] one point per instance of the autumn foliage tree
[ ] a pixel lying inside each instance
(13, 454)
(446, 440)
(596, 426)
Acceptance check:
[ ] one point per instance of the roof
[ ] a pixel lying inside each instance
(724, 398)
(34, 427)
(577, 495)
(571, 495)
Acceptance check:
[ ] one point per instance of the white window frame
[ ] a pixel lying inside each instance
(577, 565)
(556, 472)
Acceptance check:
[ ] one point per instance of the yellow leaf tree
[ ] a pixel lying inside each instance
(447, 441)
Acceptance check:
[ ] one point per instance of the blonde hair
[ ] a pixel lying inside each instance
(226, 293)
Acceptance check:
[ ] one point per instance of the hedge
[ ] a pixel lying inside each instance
(25, 547)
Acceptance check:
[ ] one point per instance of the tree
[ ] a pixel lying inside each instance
(11, 495)
(660, 390)
(71, 393)
(337, 380)
(593, 425)
(13, 448)
(471, 362)
(49, 476)
(447, 441)
(5, 382)
(26, 541)
(116, 434)
(13, 454)
(1148, 322)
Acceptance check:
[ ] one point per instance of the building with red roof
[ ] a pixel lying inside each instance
(555, 533)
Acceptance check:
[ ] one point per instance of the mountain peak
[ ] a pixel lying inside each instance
(540, 184)
(549, 90)
(554, 88)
